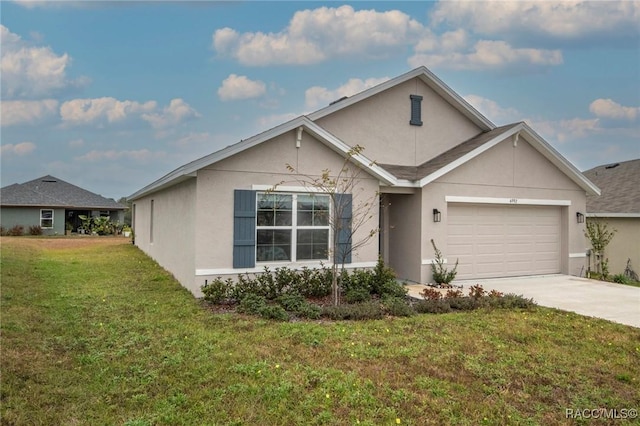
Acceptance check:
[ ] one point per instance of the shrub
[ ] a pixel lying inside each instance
(454, 293)
(310, 311)
(357, 295)
(3, 231)
(432, 306)
(495, 293)
(313, 282)
(464, 303)
(440, 274)
(16, 231)
(512, 301)
(358, 311)
(431, 294)
(274, 312)
(243, 287)
(384, 281)
(397, 306)
(35, 230)
(621, 279)
(252, 304)
(291, 302)
(476, 291)
(217, 291)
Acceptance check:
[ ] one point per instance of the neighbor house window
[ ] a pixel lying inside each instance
(46, 218)
(292, 227)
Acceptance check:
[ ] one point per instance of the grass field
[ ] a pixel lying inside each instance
(95, 333)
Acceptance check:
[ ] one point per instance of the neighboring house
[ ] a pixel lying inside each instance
(51, 203)
(499, 199)
(619, 207)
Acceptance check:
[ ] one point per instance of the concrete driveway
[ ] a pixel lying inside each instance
(614, 302)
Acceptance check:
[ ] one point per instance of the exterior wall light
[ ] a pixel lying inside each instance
(580, 217)
(437, 216)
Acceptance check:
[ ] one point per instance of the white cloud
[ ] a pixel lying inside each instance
(175, 113)
(316, 35)
(321, 96)
(140, 155)
(607, 108)
(558, 20)
(493, 111)
(76, 143)
(27, 112)
(101, 110)
(565, 130)
(273, 120)
(236, 87)
(20, 149)
(31, 71)
(485, 54)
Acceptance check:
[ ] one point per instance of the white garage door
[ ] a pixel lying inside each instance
(503, 241)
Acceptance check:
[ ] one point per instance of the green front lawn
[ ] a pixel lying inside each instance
(94, 332)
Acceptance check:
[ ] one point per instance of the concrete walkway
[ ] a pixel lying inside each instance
(614, 302)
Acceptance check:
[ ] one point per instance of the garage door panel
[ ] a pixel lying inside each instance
(496, 240)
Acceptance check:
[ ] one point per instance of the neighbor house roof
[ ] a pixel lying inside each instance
(49, 191)
(620, 185)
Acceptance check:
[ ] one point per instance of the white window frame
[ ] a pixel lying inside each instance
(293, 228)
(46, 218)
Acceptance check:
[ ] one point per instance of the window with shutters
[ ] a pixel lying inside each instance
(416, 110)
(292, 227)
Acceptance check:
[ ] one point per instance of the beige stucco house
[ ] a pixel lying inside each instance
(619, 207)
(501, 200)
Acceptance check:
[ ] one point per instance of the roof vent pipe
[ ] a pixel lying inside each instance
(299, 137)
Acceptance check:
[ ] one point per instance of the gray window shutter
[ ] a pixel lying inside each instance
(244, 228)
(345, 210)
(416, 110)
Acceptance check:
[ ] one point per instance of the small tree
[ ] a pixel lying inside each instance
(600, 236)
(344, 227)
(440, 274)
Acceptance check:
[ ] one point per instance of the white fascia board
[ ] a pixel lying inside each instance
(430, 80)
(470, 155)
(510, 201)
(559, 160)
(622, 215)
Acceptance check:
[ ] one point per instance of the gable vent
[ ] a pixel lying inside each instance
(416, 110)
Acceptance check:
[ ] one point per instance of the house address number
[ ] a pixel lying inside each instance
(513, 201)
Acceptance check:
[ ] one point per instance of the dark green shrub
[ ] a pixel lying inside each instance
(243, 287)
(268, 285)
(217, 291)
(384, 282)
(35, 230)
(397, 306)
(464, 303)
(3, 231)
(357, 311)
(512, 301)
(440, 274)
(274, 312)
(252, 304)
(621, 279)
(432, 306)
(291, 302)
(314, 282)
(310, 311)
(357, 295)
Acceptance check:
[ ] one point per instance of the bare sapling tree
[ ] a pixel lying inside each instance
(599, 236)
(352, 209)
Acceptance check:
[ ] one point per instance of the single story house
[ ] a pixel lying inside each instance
(52, 203)
(501, 200)
(619, 207)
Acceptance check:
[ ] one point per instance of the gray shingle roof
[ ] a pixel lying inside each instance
(49, 191)
(435, 164)
(620, 186)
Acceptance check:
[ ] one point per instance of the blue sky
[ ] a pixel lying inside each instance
(112, 95)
